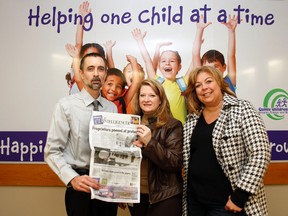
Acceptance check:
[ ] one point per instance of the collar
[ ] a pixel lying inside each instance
(88, 99)
(228, 101)
(152, 120)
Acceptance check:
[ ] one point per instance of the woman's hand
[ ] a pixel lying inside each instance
(144, 136)
(230, 206)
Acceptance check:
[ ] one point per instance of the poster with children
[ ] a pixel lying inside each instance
(43, 42)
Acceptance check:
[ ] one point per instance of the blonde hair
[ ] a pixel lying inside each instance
(194, 105)
(163, 113)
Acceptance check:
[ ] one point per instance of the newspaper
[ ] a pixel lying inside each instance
(115, 162)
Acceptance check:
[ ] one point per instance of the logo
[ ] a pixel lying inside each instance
(98, 119)
(275, 104)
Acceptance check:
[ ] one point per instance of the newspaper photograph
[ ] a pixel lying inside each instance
(115, 161)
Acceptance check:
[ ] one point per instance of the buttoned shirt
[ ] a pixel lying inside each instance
(67, 147)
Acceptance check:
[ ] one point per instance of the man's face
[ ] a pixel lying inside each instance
(93, 73)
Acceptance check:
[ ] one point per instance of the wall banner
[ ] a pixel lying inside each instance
(35, 59)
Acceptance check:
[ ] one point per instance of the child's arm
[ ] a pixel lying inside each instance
(83, 11)
(136, 79)
(139, 37)
(108, 48)
(157, 53)
(74, 53)
(231, 58)
(198, 40)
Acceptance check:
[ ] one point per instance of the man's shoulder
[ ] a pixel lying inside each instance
(70, 98)
(71, 102)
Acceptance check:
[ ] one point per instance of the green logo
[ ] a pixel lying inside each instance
(275, 104)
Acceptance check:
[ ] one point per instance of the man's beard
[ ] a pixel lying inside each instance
(95, 86)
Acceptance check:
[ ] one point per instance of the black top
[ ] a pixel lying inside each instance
(207, 183)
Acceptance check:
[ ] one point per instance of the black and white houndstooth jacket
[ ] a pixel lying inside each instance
(242, 149)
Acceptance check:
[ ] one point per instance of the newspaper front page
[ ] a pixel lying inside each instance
(115, 161)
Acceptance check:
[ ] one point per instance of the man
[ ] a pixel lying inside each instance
(67, 149)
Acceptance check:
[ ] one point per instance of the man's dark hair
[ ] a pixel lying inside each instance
(94, 55)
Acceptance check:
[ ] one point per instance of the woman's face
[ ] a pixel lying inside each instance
(148, 100)
(112, 87)
(207, 89)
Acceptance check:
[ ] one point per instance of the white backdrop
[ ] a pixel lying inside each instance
(34, 61)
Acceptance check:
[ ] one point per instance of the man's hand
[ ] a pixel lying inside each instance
(83, 183)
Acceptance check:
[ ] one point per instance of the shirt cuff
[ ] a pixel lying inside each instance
(240, 197)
